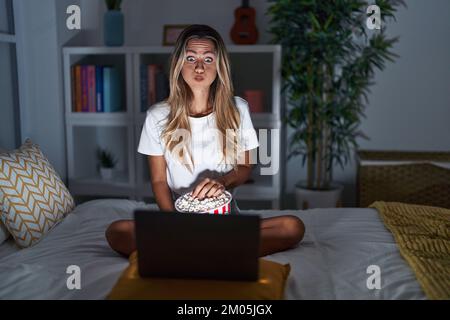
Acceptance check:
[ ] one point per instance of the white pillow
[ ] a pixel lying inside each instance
(34, 199)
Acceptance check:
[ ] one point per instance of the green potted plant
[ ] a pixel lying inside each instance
(107, 162)
(113, 23)
(329, 61)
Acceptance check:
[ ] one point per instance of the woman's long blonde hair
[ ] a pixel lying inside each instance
(221, 97)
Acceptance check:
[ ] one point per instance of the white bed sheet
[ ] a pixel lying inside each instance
(330, 263)
(8, 247)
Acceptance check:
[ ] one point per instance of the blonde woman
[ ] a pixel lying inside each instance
(200, 139)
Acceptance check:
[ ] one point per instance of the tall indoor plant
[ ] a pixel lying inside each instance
(329, 61)
(113, 23)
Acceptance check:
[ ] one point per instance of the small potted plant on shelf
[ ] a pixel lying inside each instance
(329, 61)
(113, 23)
(107, 162)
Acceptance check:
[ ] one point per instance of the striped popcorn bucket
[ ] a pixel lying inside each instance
(223, 208)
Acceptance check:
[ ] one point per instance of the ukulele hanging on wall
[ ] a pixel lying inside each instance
(244, 30)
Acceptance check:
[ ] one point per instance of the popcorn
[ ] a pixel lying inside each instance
(216, 205)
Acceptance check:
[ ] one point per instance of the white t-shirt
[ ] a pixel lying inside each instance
(205, 146)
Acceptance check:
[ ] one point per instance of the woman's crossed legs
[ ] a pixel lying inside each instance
(277, 234)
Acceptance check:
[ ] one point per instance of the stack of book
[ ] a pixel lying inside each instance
(96, 88)
(154, 85)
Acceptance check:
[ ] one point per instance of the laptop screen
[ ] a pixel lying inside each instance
(183, 245)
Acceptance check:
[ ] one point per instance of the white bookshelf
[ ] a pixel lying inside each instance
(253, 67)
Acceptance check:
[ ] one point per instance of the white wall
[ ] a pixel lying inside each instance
(409, 107)
(7, 100)
(41, 113)
(9, 111)
(41, 32)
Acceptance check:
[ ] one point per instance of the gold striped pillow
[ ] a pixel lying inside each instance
(33, 197)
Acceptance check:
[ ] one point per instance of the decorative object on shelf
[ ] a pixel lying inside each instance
(255, 99)
(329, 62)
(113, 24)
(244, 30)
(107, 162)
(171, 33)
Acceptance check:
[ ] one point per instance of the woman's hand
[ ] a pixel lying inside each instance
(208, 188)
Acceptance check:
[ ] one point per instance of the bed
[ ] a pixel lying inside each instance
(330, 263)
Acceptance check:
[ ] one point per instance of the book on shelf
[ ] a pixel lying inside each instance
(91, 89)
(75, 78)
(112, 90)
(151, 76)
(96, 88)
(154, 85)
(99, 88)
(84, 89)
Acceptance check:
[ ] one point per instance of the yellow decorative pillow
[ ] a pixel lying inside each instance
(270, 286)
(33, 199)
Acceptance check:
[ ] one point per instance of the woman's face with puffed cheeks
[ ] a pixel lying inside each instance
(199, 67)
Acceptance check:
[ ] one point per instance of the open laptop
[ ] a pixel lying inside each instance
(197, 246)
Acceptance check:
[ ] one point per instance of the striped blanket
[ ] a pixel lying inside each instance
(423, 236)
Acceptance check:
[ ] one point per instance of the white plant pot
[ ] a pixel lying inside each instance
(309, 199)
(106, 173)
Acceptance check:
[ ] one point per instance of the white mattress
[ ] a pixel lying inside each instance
(330, 263)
